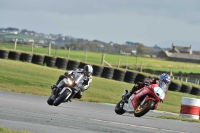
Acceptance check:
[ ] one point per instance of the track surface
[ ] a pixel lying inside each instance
(32, 113)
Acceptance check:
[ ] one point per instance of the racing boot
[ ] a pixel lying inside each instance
(124, 98)
(54, 92)
(53, 86)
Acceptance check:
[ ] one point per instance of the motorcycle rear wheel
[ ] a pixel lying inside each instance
(119, 110)
(142, 110)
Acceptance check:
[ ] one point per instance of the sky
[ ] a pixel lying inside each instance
(151, 22)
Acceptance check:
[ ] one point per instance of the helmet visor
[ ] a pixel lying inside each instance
(164, 85)
(88, 74)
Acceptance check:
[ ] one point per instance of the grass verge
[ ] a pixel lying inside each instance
(178, 118)
(6, 130)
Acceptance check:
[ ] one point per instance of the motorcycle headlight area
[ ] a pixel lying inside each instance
(69, 81)
(159, 92)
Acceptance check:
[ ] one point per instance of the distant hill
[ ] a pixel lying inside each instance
(25, 36)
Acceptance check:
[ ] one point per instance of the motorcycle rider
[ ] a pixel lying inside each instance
(163, 82)
(81, 86)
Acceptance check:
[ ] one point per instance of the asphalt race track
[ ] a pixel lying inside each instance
(32, 113)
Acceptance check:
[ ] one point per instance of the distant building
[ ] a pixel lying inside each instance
(41, 42)
(13, 32)
(123, 52)
(134, 52)
(180, 49)
(179, 53)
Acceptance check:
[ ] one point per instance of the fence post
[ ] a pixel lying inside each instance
(196, 81)
(141, 67)
(32, 46)
(49, 51)
(171, 74)
(102, 60)
(181, 78)
(186, 79)
(15, 43)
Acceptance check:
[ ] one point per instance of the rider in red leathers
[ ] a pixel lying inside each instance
(164, 78)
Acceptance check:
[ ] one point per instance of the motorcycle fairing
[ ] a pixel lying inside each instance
(69, 91)
(128, 106)
(159, 92)
(135, 97)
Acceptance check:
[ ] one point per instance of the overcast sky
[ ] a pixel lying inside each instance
(151, 22)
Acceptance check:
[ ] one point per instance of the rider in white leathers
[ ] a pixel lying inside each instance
(83, 78)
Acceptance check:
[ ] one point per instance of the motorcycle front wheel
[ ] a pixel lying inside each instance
(50, 101)
(119, 110)
(143, 109)
(60, 98)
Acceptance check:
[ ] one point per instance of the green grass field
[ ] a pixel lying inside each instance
(95, 58)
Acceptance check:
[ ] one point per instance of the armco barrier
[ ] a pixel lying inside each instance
(190, 108)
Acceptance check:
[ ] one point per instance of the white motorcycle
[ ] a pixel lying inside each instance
(66, 90)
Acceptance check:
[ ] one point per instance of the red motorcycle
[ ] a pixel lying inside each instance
(142, 101)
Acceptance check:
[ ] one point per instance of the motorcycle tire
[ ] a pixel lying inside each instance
(119, 110)
(147, 106)
(50, 101)
(60, 98)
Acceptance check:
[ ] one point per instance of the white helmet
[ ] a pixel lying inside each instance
(88, 70)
